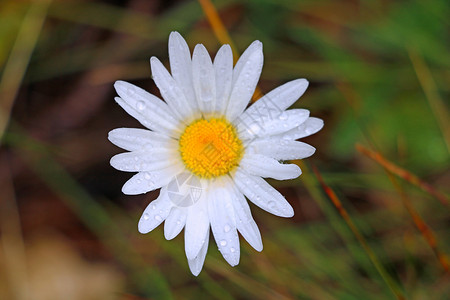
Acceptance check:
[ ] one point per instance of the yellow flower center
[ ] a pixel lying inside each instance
(210, 148)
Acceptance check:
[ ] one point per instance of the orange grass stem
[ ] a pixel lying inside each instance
(344, 214)
(423, 228)
(402, 173)
(426, 233)
(217, 25)
(222, 35)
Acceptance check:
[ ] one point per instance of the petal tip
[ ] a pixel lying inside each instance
(142, 228)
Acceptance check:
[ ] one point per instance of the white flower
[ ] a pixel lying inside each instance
(206, 151)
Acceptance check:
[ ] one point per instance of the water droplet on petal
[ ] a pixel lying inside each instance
(158, 218)
(227, 228)
(223, 243)
(146, 216)
(272, 205)
(232, 250)
(140, 105)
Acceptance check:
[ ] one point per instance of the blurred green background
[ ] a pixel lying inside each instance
(379, 76)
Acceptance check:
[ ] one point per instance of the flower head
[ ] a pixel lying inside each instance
(207, 151)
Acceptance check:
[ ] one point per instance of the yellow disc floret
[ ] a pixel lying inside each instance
(210, 148)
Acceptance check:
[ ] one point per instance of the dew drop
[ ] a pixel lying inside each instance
(131, 92)
(146, 216)
(283, 116)
(272, 205)
(140, 105)
(232, 250)
(227, 228)
(153, 206)
(158, 218)
(223, 243)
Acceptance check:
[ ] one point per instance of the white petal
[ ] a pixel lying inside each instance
(223, 65)
(175, 222)
(196, 264)
(223, 222)
(264, 166)
(145, 160)
(281, 149)
(271, 126)
(197, 227)
(204, 80)
(245, 77)
(254, 47)
(272, 104)
(244, 221)
(144, 182)
(133, 139)
(171, 92)
(155, 213)
(149, 110)
(309, 127)
(262, 194)
(181, 67)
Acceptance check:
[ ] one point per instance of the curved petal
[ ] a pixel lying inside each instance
(171, 92)
(281, 149)
(263, 194)
(240, 64)
(223, 65)
(144, 182)
(309, 127)
(133, 139)
(271, 105)
(149, 110)
(181, 67)
(244, 220)
(145, 160)
(245, 77)
(197, 227)
(196, 264)
(223, 221)
(264, 166)
(261, 127)
(175, 222)
(155, 213)
(204, 80)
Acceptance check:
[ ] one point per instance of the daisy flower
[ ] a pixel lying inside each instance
(208, 152)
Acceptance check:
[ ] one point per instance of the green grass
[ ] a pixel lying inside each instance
(378, 75)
